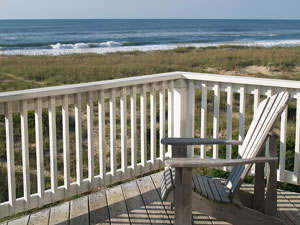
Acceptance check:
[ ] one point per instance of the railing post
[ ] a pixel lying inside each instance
(183, 111)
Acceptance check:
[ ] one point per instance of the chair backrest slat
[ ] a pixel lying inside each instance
(264, 120)
(256, 120)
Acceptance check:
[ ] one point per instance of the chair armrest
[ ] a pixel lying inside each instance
(198, 141)
(193, 162)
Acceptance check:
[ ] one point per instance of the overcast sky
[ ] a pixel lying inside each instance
(150, 9)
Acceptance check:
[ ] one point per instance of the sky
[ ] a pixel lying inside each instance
(149, 9)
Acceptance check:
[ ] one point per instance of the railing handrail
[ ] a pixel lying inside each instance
(85, 87)
(242, 80)
(121, 82)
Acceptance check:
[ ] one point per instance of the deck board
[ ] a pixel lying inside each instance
(40, 218)
(98, 208)
(19, 221)
(60, 214)
(137, 202)
(156, 181)
(79, 212)
(116, 205)
(154, 205)
(288, 208)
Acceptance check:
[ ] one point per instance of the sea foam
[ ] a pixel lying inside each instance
(85, 45)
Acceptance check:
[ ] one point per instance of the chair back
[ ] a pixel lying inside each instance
(267, 113)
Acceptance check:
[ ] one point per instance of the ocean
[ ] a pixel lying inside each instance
(56, 37)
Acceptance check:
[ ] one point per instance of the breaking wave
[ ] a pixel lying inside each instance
(85, 45)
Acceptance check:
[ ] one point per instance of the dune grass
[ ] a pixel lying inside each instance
(41, 71)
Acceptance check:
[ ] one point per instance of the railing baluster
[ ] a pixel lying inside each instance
(229, 120)
(255, 106)
(283, 126)
(162, 97)
(191, 111)
(216, 119)
(133, 135)
(78, 137)
(53, 147)
(203, 118)
(25, 150)
(10, 154)
(153, 123)
(297, 142)
(256, 99)
(170, 113)
(90, 133)
(269, 94)
(102, 141)
(112, 120)
(242, 114)
(66, 144)
(39, 150)
(143, 126)
(123, 106)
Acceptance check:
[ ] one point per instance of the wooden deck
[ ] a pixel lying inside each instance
(136, 202)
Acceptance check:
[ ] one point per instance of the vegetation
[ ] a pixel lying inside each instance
(23, 72)
(41, 71)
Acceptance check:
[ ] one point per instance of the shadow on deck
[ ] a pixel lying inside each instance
(137, 202)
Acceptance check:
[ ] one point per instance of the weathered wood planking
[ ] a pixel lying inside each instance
(60, 214)
(116, 205)
(156, 181)
(135, 205)
(98, 208)
(39, 218)
(19, 221)
(79, 211)
(214, 221)
(154, 206)
(293, 197)
(199, 218)
(288, 208)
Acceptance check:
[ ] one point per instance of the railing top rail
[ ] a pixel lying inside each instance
(116, 83)
(242, 80)
(84, 87)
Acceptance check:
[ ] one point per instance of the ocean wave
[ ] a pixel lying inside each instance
(69, 46)
(270, 43)
(79, 48)
(85, 45)
(109, 44)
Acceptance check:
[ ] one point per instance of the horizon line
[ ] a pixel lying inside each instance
(147, 19)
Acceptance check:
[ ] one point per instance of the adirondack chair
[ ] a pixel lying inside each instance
(228, 201)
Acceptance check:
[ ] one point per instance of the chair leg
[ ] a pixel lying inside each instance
(271, 195)
(183, 196)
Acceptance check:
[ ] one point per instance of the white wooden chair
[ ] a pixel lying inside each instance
(227, 201)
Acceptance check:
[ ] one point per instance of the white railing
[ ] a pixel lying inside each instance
(115, 127)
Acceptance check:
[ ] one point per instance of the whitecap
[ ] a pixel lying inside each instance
(109, 44)
(81, 45)
(62, 46)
